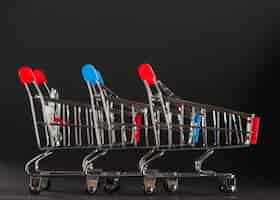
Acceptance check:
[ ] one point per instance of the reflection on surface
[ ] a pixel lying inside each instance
(13, 185)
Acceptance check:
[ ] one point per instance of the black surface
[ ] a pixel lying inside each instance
(216, 52)
(14, 186)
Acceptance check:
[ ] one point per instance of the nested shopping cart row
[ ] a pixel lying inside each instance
(108, 122)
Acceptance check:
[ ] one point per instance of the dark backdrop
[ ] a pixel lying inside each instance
(216, 52)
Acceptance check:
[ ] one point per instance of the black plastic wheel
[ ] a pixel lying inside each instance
(45, 184)
(149, 190)
(35, 185)
(92, 185)
(91, 190)
(171, 186)
(111, 185)
(222, 188)
(34, 191)
(228, 185)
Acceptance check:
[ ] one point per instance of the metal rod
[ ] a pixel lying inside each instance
(158, 125)
(41, 97)
(153, 117)
(230, 129)
(226, 127)
(80, 123)
(133, 129)
(192, 124)
(146, 124)
(34, 117)
(236, 129)
(87, 123)
(240, 129)
(215, 126)
(112, 117)
(169, 116)
(181, 122)
(204, 129)
(218, 128)
(63, 127)
(123, 131)
(91, 129)
(68, 127)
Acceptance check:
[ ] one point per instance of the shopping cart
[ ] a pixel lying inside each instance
(111, 123)
(181, 125)
(170, 124)
(60, 125)
(118, 124)
(107, 123)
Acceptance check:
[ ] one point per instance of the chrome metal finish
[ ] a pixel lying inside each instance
(218, 129)
(153, 117)
(230, 129)
(204, 129)
(181, 122)
(226, 132)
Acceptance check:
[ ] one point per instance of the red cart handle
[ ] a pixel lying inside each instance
(146, 73)
(26, 75)
(40, 77)
(255, 130)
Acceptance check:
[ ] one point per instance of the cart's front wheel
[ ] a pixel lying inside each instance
(228, 185)
(149, 185)
(92, 184)
(112, 184)
(35, 185)
(171, 185)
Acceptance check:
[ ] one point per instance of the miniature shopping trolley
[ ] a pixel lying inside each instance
(183, 125)
(169, 123)
(111, 123)
(63, 125)
(59, 125)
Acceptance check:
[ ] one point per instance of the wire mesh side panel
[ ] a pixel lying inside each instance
(65, 124)
(131, 124)
(124, 121)
(178, 123)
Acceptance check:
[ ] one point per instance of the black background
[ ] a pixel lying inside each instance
(217, 52)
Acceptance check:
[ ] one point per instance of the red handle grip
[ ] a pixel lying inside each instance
(26, 75)
(255, 130)
(146, 73)
(40, 77)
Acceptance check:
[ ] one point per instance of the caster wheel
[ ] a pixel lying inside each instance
(34, 191)
(228, 185)
(150, 190)
(149, 185)
(45, 183)
(92, 185)
(111, 185)
(171, 185)
(35, 185)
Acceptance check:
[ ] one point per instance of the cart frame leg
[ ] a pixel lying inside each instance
(36, 181)
(92, 175)
(150, 175)
(228, 181)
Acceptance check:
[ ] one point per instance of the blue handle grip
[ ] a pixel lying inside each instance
(90, 73)
(197, 121)
(100, 78)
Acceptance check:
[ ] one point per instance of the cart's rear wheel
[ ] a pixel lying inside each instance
(228, 185)
(171, 185)
(149, 185)
(35, 185)
(45, 183)
(92, 184)
(112, 184)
